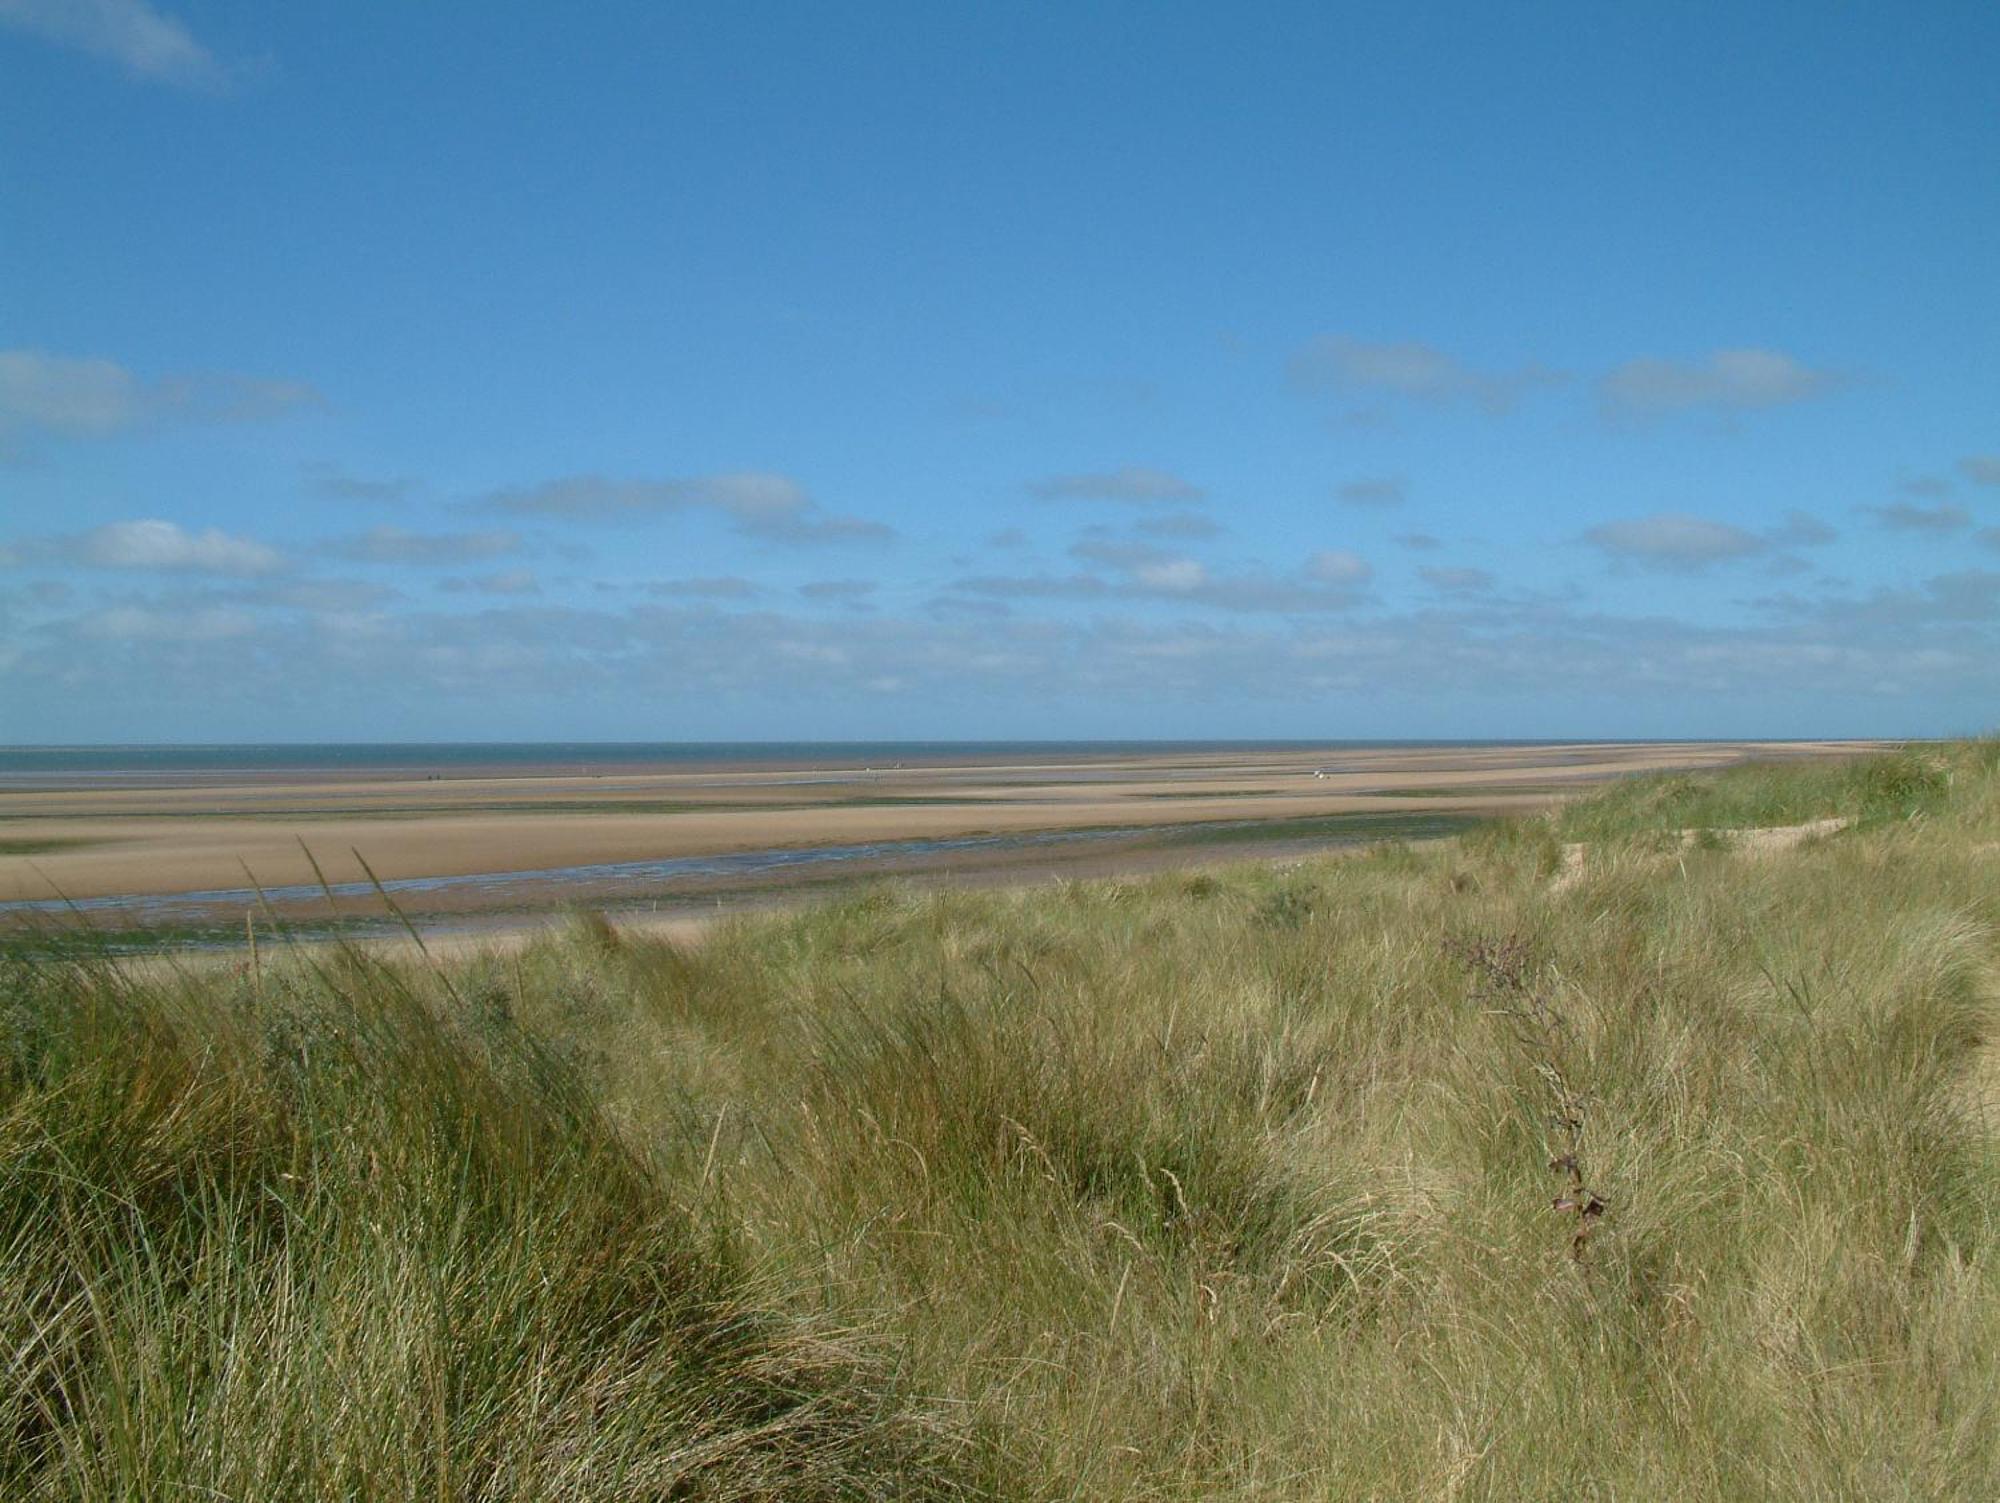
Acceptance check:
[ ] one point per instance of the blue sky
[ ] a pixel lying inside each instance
(664, 372)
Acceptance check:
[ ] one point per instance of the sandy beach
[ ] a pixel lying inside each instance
(209, 832)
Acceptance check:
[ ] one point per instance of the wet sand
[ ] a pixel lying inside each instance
(204, 832)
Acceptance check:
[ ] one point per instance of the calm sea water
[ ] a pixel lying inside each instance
(16, 761)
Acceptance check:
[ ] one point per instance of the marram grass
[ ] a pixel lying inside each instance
(1232, 1185)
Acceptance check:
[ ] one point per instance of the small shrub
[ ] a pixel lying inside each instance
(1287, 908)
(1528, 843)
(1899, 785)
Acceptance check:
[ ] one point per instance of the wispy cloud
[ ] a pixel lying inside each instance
(395, 545)
(1962, 595)
(149, 544)
(1904, 516)
(138, 623)
(1412, 371)
(1117, 553)
(69, 396)
(1381, 491)
(1447, 581)
(1742, 380)
(1674, 540)
(719, 587)
(319, 595)
(838, 591)
(1136, 484)
(149, 655)
(1184, 525)
(506, 582)
(758, 503)
(310, 596)
(1679, 542)
(1333, 580)
(336, 484)
(1981, 469)
(130, 33)
(1801, 529)
(1338, 566)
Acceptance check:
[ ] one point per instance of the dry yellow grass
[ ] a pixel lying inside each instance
(1227, 1185)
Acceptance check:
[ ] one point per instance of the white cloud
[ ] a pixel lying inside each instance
(1137, 484)
(1727, 381)
(725, 587)
(599, 498)
(838, 591)
(164, 545)
(814, 528)
(1186, 525)
(337, 484)
(233, 398)
(506, 582)
(1903, 516)
(1673, 540)
(711, 588)
(130, 33)
(1964, 595)
(330, 596)
(1412, 371)
(150, 543)
(66, 395)
(86, 397)
(761, 504)
(1176, 576)
(1383, 491)
(132, 623)
(1337, 566)
(1038, 586)
(1801, 530)
(1329, 581)
(1448, 581)
(394, 545)
(1118, 553)
(319, 597)
(1908, 648)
